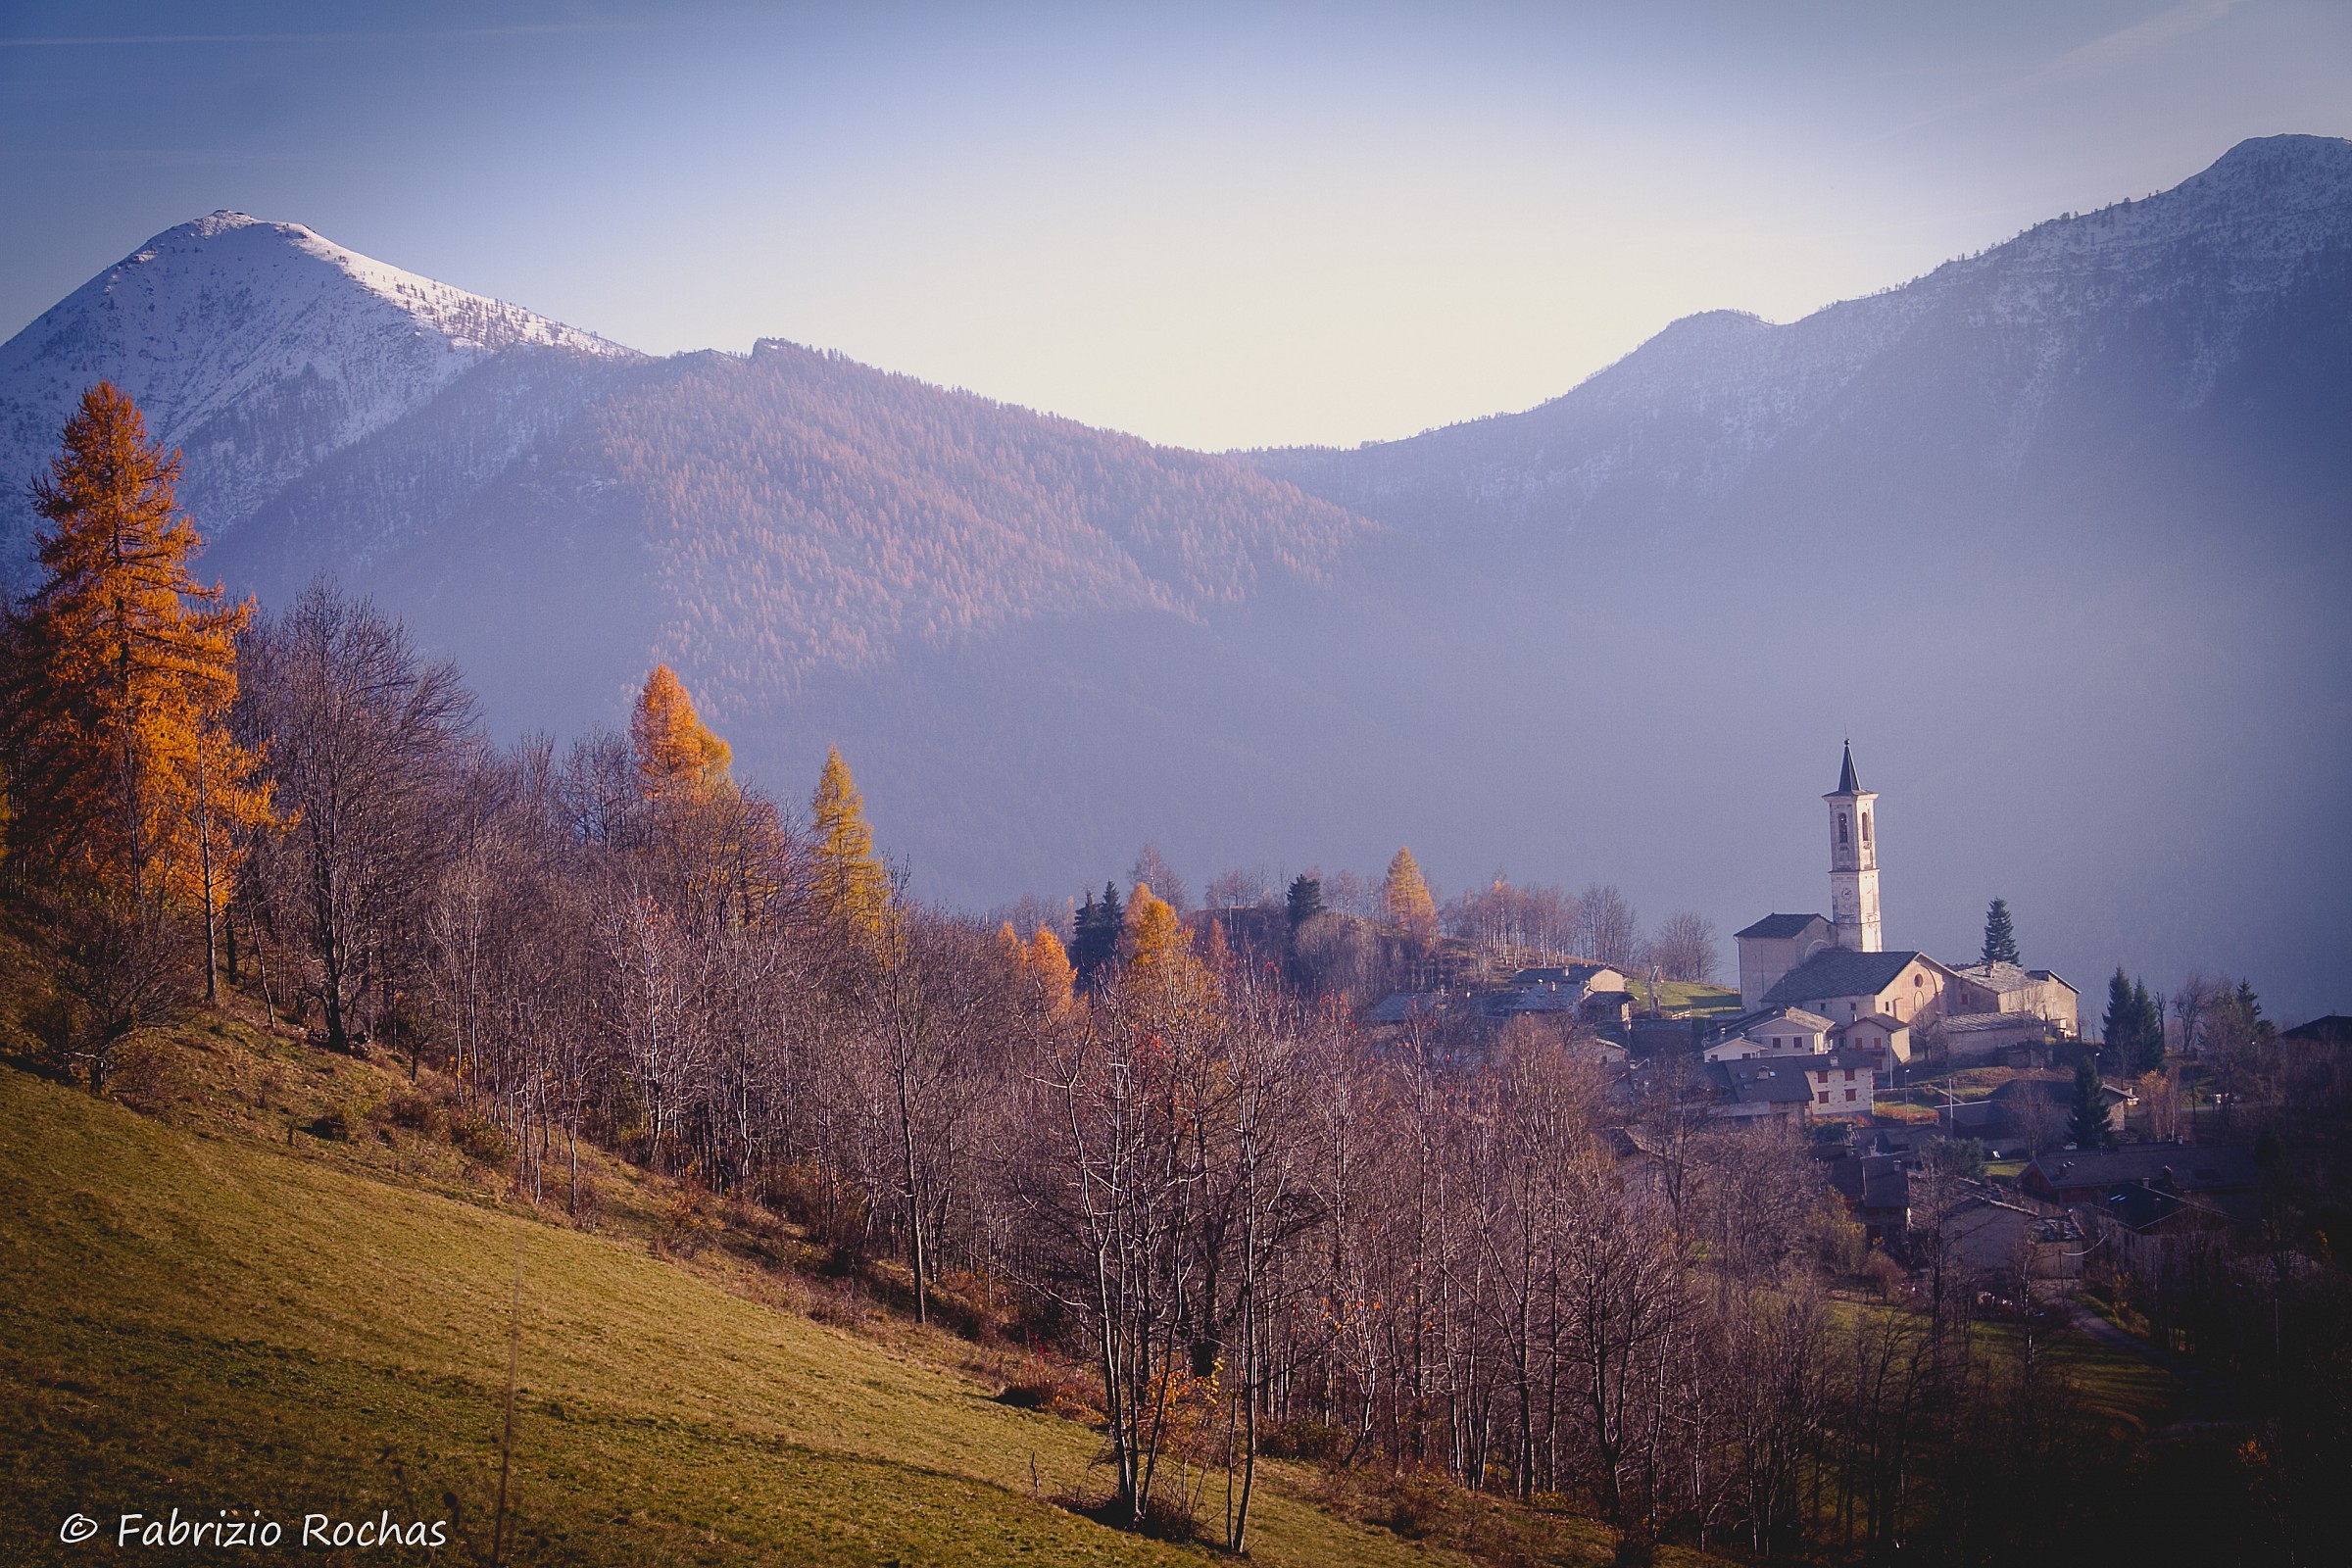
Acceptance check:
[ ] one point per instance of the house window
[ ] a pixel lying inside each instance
(1825, 1097)
(1850, 1078)
(1850, 1093)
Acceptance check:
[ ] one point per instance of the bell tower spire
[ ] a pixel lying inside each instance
(1853, 861)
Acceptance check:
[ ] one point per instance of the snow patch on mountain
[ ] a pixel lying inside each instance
(260, 349)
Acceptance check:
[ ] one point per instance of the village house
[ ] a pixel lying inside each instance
(1877, 1191)
(1760, 1088)
(1843, 1083)
(1779, 1032)
(2160, 1179)
(1980, 989)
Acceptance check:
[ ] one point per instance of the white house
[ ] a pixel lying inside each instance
(1778, 1032)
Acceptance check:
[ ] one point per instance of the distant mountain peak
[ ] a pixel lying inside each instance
(466, 319)
(263, 346)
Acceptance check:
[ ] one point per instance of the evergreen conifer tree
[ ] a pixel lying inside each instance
(2001, 936)
(1305, 901)
(1094, 938)
(2116, 1024)
(2147, 1044)
(1084, 946)
(2087, 1118)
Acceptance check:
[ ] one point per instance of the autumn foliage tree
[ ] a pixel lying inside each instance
(116, 679)
(852, 885)
(677, 755)
(1405, 897)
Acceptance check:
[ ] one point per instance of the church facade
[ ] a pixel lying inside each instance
(1837, 969)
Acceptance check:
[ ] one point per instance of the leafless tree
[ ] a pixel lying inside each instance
(1685, 947)
(1607, 929)
(1152, 868)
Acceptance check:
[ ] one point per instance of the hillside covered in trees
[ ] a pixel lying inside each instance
(1263, 1252)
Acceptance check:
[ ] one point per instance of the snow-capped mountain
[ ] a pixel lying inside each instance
(258, 349)
(2058, 533)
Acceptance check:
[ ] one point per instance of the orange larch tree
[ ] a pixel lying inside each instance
(115, 680)
(677, 755)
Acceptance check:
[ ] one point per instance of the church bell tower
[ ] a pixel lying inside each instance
(1853, 862)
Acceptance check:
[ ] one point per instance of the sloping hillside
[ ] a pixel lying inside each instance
(195, 1319)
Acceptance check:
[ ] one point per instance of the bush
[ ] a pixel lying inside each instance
(840, 1306)
(1635, 1550)
(417, 1112)
(1300, 1440)
(1414, 1505)
(341, 1123)
(478, 1138)
(1028, 1396)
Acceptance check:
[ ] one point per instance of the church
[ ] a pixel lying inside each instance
(1810, 982)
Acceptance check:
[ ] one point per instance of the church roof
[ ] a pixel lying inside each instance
(1838, 973)
(1847, 783)
(1779, 925)
(1999, 976)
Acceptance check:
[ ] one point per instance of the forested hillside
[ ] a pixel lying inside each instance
(2070, 510)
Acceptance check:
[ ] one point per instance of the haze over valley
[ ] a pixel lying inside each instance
(2055, 534)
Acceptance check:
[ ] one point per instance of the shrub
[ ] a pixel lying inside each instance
(342, 1124)
(1028, 1396)
(841, 1307)
(417, 1112)
(1300, 1440)
(1415, 1503)
(478, 1138)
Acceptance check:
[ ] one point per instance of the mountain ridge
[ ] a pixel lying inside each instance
(2072, 508)
(2240, 232)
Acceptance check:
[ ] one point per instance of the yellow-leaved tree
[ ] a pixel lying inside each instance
(851, 883)
(1155, 940)
(115, 680)
(1043, 966)
(677, 755)
(1406, 894)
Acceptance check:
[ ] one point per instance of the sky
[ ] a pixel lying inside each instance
(1214, 227)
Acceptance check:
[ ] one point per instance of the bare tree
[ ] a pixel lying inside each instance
(1607, 929)
(1684, 947)
(1153, 869)
(2193, 1006)
(365, 742)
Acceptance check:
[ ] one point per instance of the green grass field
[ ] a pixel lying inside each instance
(1685, 996)
(200, 1317)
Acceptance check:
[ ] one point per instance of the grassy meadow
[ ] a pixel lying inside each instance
(243, 1283)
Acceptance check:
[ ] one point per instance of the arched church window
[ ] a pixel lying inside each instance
(1866, 828)
(1841, 839)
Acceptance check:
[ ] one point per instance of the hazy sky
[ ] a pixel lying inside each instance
(1255, 224)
